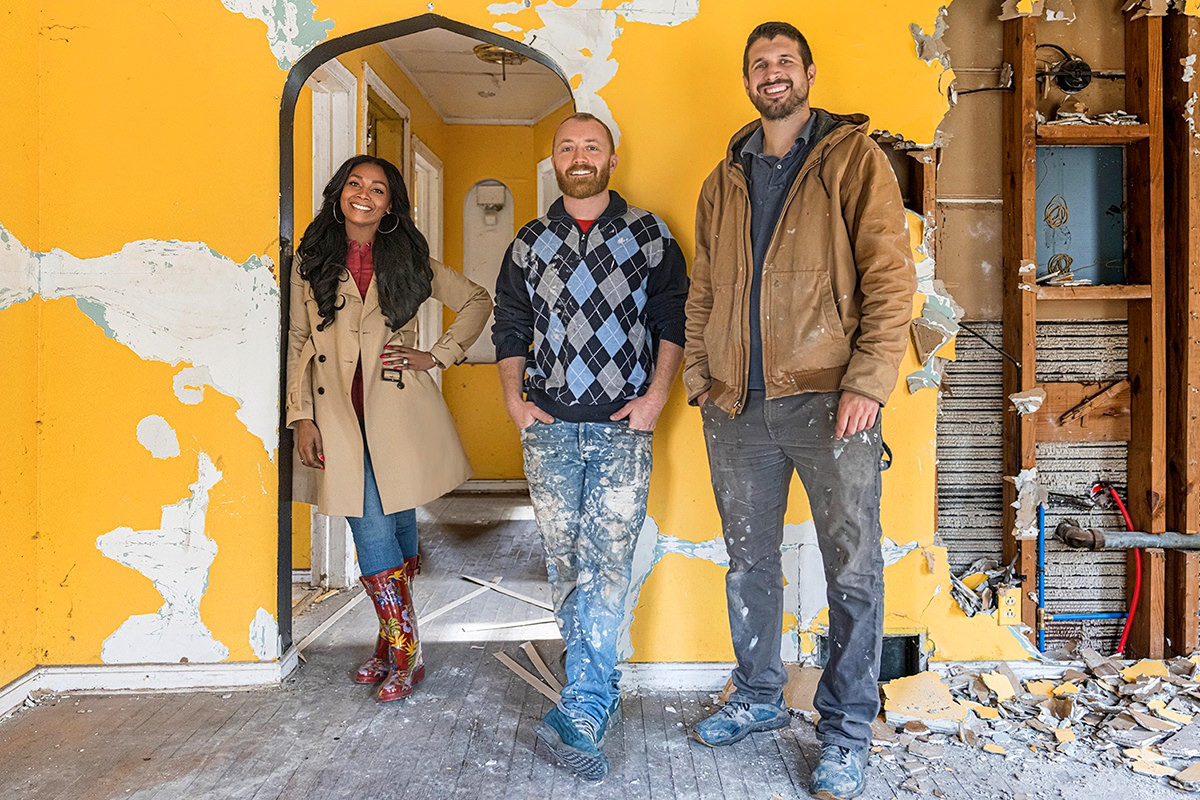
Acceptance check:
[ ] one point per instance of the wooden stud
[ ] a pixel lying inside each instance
(1145, 635)
(1019, 253)
(1145, 234)
(1182, 186)
(1083, 412)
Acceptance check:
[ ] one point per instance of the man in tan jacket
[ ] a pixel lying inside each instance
(797, 318)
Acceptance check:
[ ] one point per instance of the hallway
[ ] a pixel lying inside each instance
(467, 731)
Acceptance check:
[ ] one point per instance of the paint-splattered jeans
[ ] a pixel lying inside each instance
(381, 541)
(751, 458)
(588, 482)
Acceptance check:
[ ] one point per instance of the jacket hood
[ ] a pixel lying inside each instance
(825, 126)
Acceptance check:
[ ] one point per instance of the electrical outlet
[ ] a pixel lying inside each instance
(1009, 605)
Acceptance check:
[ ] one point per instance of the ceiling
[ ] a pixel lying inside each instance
(465, 90)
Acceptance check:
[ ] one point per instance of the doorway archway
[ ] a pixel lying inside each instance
(299, 74)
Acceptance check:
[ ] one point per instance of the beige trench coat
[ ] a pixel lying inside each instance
(415, 449)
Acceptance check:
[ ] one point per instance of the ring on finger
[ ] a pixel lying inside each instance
(404, 362)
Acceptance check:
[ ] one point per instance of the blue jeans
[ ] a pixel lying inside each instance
(381, 541)
(752, 457)
(588, 483)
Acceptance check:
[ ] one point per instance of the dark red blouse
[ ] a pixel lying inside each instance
(362, 267)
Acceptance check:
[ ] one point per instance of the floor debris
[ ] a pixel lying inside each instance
(1099, 712)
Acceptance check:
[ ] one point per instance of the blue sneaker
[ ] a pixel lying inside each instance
(735, 721)
(839, 773)
(574, 744)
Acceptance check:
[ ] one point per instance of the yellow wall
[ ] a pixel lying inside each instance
(18, 330)
(158, 188)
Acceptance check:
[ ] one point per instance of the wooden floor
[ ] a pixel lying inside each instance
(468, 730)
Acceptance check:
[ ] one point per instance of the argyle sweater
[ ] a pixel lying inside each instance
(587, 310)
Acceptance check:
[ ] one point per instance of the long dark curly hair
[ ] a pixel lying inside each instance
(403, 276)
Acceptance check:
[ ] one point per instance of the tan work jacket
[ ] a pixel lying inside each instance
(415, 450)
(837, 283)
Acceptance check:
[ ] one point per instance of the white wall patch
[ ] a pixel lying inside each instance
(176, 559)
(189, 384)
(264, 635)
(579, 38)
(175, 302)
(157, 436)
(291, 25)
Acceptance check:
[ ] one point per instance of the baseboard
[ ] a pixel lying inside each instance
(493, 487)
(302, 576)
(125, 678)
(675, 676)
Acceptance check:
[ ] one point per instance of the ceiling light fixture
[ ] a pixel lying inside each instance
(495, 54)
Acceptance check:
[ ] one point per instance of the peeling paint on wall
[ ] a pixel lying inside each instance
(292, 28)
(157, 436)
(175, 302)
(930, 47)
(176, 558)
(937, 326)
(264, 635)
(579, 38)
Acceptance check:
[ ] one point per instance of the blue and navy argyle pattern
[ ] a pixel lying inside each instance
(591, 345)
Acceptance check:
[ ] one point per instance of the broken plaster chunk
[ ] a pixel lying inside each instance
(1188, 778)
(1029, 401)
(1043, 688)
(1145, 667)
(995, 748)
(982, 711)
(1161, 708)
(1064, 735)
(1153, 723)
(925, 698)
(1153, 769)
(1185, 744)
(1065, 688)
(1000, 685)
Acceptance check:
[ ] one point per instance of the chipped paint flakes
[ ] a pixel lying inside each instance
(579, 38)
(292, 28)
(1030, 494)
(264, 635)
(1189, 68)
(158, 437)
(176, 558)
(175, 302)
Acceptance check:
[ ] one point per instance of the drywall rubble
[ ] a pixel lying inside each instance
(1100, 711)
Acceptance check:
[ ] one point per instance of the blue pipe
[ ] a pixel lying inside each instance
(1111, 615)
(1041, 578)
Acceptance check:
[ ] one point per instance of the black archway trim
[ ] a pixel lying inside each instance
(300, 72)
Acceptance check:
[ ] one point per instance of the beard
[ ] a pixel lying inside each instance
(778, 109)
(582, 187)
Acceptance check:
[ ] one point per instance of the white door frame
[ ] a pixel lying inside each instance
(334, 94)
(372, 81)
(427, 192)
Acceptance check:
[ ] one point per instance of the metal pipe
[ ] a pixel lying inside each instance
(1070, 533)
(1109, 615)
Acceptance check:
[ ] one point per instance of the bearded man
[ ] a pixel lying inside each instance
(797, 320)
(589, 336)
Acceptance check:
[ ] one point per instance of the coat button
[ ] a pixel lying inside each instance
(321, 359)
(320, 390)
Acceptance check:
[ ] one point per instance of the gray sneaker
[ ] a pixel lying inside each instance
(839, 773)
(733, 722)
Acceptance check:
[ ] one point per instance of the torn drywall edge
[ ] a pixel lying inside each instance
(176, 558)
(174, 302)
(1029, 401)
(931, 47)
(292, 27)
(1030, 495)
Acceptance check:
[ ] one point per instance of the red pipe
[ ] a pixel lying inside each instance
(1137, 578)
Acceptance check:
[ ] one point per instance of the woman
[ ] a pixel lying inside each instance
(366, 412)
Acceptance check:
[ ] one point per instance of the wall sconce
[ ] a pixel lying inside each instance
(491, 198)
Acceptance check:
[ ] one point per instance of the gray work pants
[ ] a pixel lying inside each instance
(751, 457)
